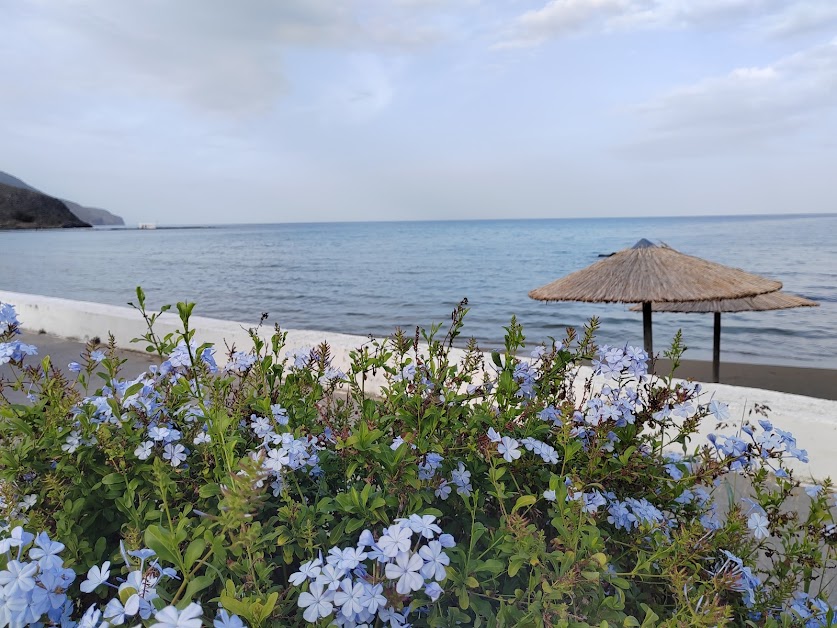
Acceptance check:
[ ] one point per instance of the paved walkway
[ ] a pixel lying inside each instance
(63, 351)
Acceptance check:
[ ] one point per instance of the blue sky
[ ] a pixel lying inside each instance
(208, 111)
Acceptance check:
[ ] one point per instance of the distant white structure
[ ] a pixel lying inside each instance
(147, 225)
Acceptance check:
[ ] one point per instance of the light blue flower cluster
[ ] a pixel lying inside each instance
(8, 318)
(179, 360)
(615, 362)
(614, 405)
(551, 415)
(307, 357)
(813, 611)
(743, 579)
(632, 513)
(407, 374)
(240, 362)
(509, 447)
(768, 444)
(525, 374)
(429, 467)
(15, 351)
(358, 585)
(33, 591)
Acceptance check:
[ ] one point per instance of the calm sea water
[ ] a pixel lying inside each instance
(363, 278)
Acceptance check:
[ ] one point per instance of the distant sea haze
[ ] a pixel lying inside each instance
(369, 278)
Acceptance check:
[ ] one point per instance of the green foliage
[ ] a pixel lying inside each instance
(536, 541)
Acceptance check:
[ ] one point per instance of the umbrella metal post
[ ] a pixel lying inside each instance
(716, 350)
(646, 328)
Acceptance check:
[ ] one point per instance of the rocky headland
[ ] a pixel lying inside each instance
(91, 215)
(27, 209)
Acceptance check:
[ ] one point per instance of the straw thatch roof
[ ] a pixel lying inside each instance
(648, 272)
(758, 303)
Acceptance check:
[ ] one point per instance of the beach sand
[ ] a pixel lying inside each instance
(811, 382)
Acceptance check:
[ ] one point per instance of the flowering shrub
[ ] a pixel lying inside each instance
(468, 490)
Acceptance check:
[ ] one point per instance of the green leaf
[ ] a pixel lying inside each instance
(193, 552)
(464, 599)
(235, 606)
(198, 584)
(161, 541)
(209, 490)
(113, 478)
(523, 501)
(269, 605)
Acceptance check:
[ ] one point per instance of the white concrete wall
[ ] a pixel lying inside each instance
(83, 320)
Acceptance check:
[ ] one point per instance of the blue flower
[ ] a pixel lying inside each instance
(758, 524)
(674, 471)
(431, 464)
(96, 576)
(46, 552)
(406, 570)
(97, 356)
(15, 351)
(280, 415)
(423, 525)
(745, 582)
(433, 591)
(813, 491)
(592, 501)
(143, 451)
(307, 571)
(170, 617)
(176, 454)
(8, 318)
(719, 410)
(395, 540)
(461, 477)
(372, 598)
(317, 602)
(225, 620)
(508, 448)
(18, 578)
(349, 598)
(435, 561)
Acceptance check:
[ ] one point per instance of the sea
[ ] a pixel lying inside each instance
(372, 277)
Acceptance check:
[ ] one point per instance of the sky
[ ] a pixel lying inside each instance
(210, 111)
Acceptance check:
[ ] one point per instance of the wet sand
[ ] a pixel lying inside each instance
(810, 382)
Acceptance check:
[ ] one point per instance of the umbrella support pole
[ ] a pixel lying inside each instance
(646, 328)
(716, 350)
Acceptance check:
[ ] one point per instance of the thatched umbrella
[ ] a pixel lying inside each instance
(759, 303)
(649, 273)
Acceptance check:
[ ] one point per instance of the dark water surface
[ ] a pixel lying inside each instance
(362, 278)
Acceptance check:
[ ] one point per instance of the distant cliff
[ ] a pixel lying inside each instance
(28, 209)
(92, 215)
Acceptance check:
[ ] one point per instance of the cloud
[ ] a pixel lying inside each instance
(366, 89)
(212, 55)
(746, 108)
(561, 18)
(802, 17)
